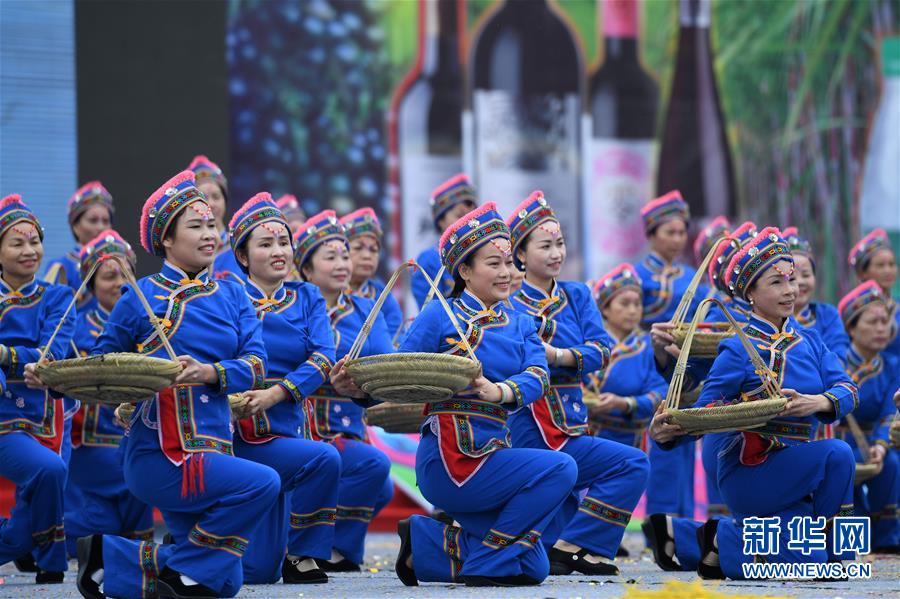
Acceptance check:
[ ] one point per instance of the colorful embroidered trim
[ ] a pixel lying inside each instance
(604, 511)
(360, 514)
(230, 544)
(325, 516)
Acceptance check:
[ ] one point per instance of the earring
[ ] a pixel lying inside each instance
(751, 301)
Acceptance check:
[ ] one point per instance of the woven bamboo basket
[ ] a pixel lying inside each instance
(238, 404)
(707, 337)
(865, 470)
(732, 417)
(411, 377)
(396, 418)
(124, 412)
(110, 378)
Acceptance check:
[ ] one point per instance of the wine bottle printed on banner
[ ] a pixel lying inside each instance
(426, 123)
(622, 105)
(526, 103)
(694, 156)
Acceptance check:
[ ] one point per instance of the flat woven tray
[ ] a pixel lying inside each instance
(412, 377)
(706, 340)
(109, 378)
(739, 416)
(396, 418)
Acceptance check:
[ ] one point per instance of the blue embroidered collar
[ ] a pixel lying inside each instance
(24, 291)
(761, 325)
(174, 274)
(257, 294)
(537, 293)
(468, 300)
(855, 359)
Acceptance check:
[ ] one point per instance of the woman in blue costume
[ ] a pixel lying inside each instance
(663, 276)
(821, 317)
(629, 388)
(449, 201)
(31, 419)
(363, 230)
(775, 469)
(873, 259)
(90, 213)
(300, 352)
(502, 499)
(211, 182)
(706, 240)
(179, 455)
(322, 257)
(97, 498)
(575, 343)
(865, 315)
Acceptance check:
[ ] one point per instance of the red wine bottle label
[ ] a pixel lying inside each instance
(523, 143)
(620, 182)
(620, 18)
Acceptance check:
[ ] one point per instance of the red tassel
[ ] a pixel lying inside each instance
(201, 482)
(193, 481)
(184, 478)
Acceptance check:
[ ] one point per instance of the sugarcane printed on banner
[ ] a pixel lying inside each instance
(90, 211)
(567, 319)
(864, 313)
(364, 233)
(293, 318)
(664, 278)
(465, 456)
(31, 420)
(873, 259)
(631, 372)
(781, 454)
(449, 201)
(97, 499)
(365, 485)
(179, 455)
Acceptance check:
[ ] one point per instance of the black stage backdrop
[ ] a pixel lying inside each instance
(152, 93)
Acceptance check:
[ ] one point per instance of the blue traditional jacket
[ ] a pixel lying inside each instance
(329, 415)
(825, 320)
(566, 318)
(664, 286)
(799, 360)
(94, 425)
(877, 380)
(430, 261)
(226, 267)
(510, 351)
(214, 322)
(631, 373)
(393, 315)
(70, 267)
(893, 348)
(28, 316)
(300, 350)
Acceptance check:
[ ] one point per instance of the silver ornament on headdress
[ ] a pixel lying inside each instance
(753, 251)
(332, 220)
(453, 238)
(523, 213)
(152, 212)
(171, 191)
(473, 223)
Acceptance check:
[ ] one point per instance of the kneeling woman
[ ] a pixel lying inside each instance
(575, 344)
(300, 352)
(322, 256)
(775, 469)
(179, 454)
(504, 499)
(865, 314)
(97, 498)
(31, 420)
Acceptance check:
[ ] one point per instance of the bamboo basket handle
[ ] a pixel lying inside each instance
(126, 269)
(685, 304)
(773, 389)
(858, 436)
(434, 289)
(363, 334)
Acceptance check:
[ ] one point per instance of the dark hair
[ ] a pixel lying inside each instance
(173, 224)
(459, 285)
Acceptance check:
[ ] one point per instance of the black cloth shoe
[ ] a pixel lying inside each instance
(344, 565)
(89, 551)
(622, 552)
(290, 574)
(560, 561)
(706, 535)
(406, 574)
(47, 577)
(26, 563)
(519, 580)
(442, 517)
(656, 535)
(171, 587)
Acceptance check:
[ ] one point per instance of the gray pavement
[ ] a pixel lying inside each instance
(638, 572)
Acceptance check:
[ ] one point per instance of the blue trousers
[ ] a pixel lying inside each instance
(670, 489)
(503, 510)
(614, 475)
(877, 498)
(365, 488)
(36, 521)
(211, 528)
(687, 550)
(813, 479)
(304, 514)
(97, 500)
